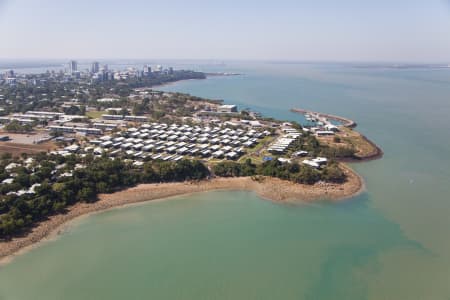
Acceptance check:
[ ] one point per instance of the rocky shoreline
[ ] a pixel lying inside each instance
(375, 154)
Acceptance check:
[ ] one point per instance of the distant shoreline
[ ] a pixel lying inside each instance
(174, 82)
(269, 188)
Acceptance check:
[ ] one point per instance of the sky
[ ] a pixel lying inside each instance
(315, 30)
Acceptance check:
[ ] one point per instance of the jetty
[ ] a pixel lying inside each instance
(324, 117)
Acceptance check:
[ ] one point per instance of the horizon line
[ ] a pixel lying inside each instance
(277, 60)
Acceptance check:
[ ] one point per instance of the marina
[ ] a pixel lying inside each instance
(323, 118)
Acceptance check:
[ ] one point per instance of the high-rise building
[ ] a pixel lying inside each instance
(9, 73)
(147, 69)
(73, 66)
(95, 67)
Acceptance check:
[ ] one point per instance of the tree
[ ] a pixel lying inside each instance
(86, 194)
(139, 109)
(73, 110)
(333, 173)
(308, 175)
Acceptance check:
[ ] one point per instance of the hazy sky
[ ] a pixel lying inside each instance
(339, 30)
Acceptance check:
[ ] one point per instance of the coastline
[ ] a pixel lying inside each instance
(273, 189)
(376, 153)
(169, 83)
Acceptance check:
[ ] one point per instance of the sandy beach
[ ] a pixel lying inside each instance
(269, 188)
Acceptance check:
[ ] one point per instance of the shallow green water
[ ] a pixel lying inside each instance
(391, 242)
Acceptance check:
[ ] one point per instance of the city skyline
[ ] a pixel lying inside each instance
(404, 31)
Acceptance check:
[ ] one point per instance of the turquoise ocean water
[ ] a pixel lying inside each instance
(391, 242)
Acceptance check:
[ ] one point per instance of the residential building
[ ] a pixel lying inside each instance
(227, 108)
(73, 66)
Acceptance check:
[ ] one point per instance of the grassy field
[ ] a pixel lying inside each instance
(95, 114)
(16, 148)
(257, 153)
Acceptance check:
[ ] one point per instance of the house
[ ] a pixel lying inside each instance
(12, 166)
(138, 164)
(227, 108)
(316, 162)
(248, 144)
(311, 163)
(301, 153)
(255, 123)
(157, 156)
(72, 148)
(202, 140)
(178, 158)
(112, 117)
(218, 154)
(136, 118)
(171, 149)
(215, 141)
(105, 126)
(148, 147)
(126, 146)
(284, 160)
(114, 153)
(320, 160)
(182, 150)
(67, 129)
(331, 127)
(232, 155)
(98, 151)
(206, 153)
(160, 148)
(324, 132)
(193, 151)
(8, 181)
(106, 144)
(240, 150)
(203, 146)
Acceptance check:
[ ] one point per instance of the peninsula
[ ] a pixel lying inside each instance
(74, 144)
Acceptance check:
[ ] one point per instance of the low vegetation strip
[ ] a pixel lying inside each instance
(287, 171)
(48, 184)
